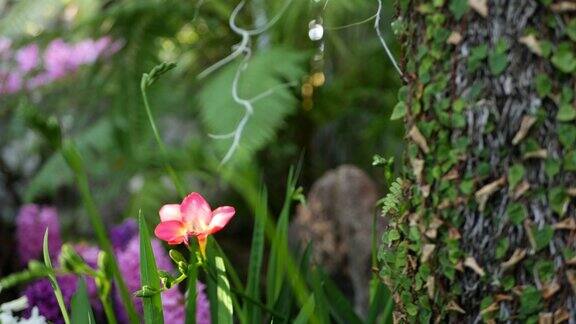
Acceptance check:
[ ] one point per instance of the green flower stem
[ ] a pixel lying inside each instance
(169, 169)
(74, 160)
(54, 281)
(108, 310)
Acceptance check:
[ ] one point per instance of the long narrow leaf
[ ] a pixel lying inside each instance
(306, 311)
(339, 304)
(191, 292)
(53, 281)
(253, 313)
(74, 161)
(276, 270)
(149, 277)
(81, 310)
(377, 303)
(225, 309)
(319, 296)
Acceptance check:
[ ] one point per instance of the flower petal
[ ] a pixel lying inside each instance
(196, 211)
(173, 232)
(220, 217)
(170, 212)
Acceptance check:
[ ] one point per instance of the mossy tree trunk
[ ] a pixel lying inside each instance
(488, 228)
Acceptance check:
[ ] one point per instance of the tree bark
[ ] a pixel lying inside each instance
(487, 230)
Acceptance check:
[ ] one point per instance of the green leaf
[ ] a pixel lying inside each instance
(571, 29)
(543, 85)
(53, 280)
(566, 112)
(306, 311)
(543, 237)
(225, 309)
(399, 111)
(149, 276)
(516, 213)
(220, 114)
(530, 301)
(253, 314)
(558, 200)
(502, 247)
(567, 135)
(459, 8)
(515, 175)
(551, 167)
(564, 59)
(191, 292)
(477, 55)
(497, 63)
(570, 161)
(81, 310)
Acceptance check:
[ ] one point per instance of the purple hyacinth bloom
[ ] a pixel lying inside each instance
(31, 223)
(121, 234)
(173, 300)
(28, 58)
(41, 295)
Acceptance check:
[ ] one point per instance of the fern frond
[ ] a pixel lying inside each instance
(392, 201)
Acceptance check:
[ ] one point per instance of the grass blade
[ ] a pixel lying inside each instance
(253, 313)
(306, 311)
(276, 270)
(149, 276)
(53, 281)
(319, 296)
(74, 161)
(81, 310)
(225, 309)
(339, 304)
(191, 292)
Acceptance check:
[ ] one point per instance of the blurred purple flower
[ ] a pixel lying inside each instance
(28, 58)
(41, 295)
(121, 234)
(172, 300)
(31, 223)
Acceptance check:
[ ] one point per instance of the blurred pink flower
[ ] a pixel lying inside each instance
(193, 217)
(28, 58)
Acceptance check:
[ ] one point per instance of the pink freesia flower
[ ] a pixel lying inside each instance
(193, 217)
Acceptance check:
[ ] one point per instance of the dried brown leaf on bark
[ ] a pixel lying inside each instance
(455, 38)
(550, 289)
(471, 263)
(430, 286)
(545, 318)
(561, 315)
(571, 276)
(525, 125)
(538, 154)
(452, 306)
(480, 6)
(521, 189)
(419, 139)
(485, 192)
(532, 43)
(563, 6)
(567, 224)
(516, 257)
(427, 251)
(417, 168)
